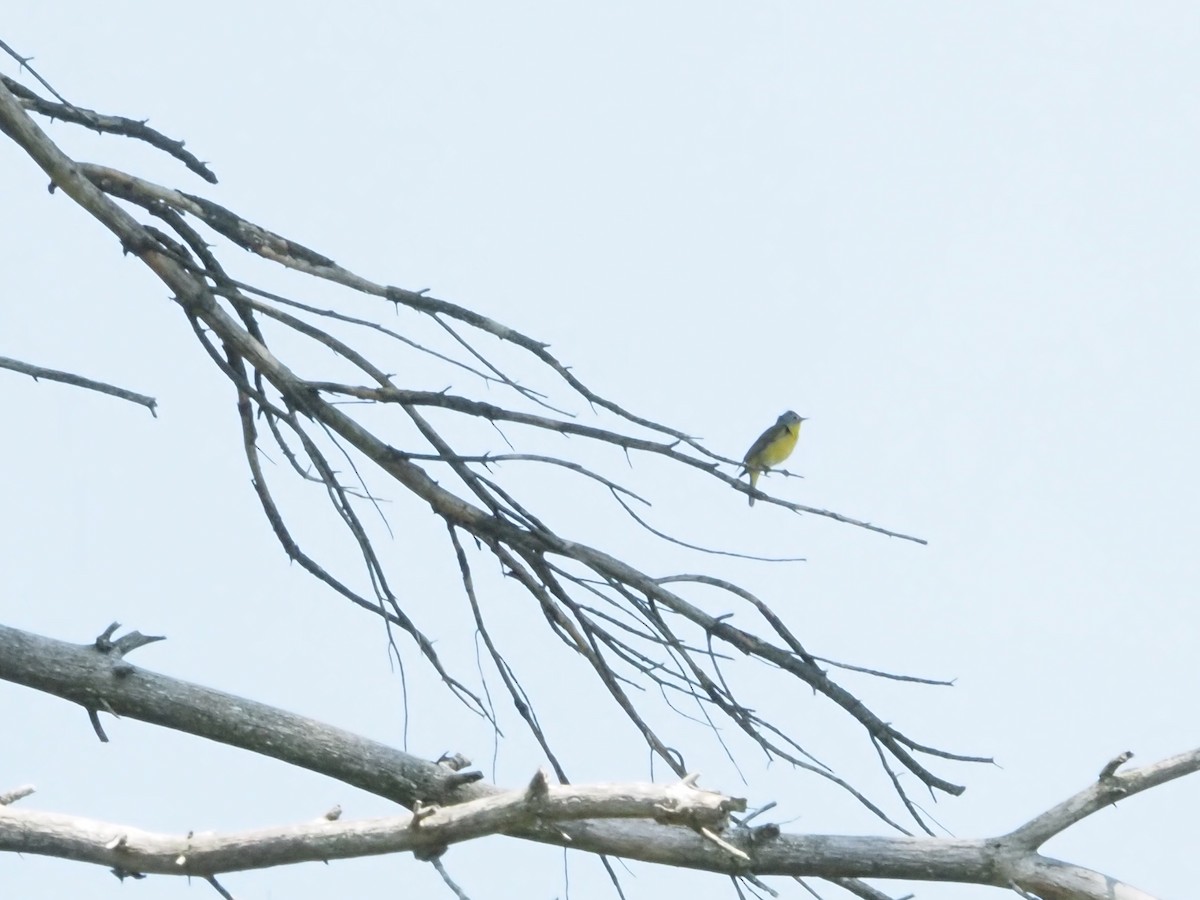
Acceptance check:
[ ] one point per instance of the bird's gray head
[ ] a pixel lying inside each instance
(790, 418)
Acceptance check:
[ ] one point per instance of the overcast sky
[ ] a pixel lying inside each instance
(960, 237)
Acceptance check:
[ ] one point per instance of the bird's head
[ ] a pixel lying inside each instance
(790, 418)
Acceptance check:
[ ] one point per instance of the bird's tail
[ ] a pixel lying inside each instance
(753, 482)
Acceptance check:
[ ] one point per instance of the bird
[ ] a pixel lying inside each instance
(772, 447)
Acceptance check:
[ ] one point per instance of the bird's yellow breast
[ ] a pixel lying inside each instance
(780, 447)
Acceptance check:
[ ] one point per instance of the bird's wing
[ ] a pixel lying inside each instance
(764, 440)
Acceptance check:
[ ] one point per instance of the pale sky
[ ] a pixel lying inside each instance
(960, 237)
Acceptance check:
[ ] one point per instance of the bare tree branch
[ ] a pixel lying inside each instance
(69, 112)
(428, 831)
(676, 825)
(71, 378)
(10, 797)
(1108, 789)
(666, 631)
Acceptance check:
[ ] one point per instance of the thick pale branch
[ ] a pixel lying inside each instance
(1052, 879)
(100, 681)
(89, 676)
(427, 832)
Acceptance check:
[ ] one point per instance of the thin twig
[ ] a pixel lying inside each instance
(37, 372)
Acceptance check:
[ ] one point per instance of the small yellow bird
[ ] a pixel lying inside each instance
(772, 447)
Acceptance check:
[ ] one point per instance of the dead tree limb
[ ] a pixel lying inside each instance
(675, 825)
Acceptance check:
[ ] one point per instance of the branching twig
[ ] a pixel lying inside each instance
(1106, 791)
(69, 112)
(237, 331)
